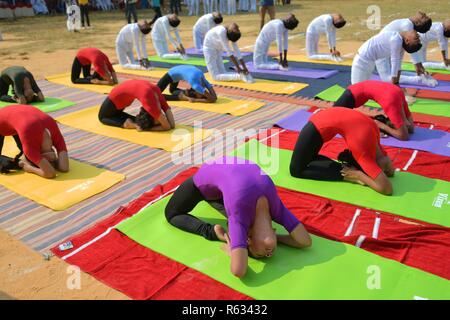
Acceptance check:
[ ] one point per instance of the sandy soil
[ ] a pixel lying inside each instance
(25, 274)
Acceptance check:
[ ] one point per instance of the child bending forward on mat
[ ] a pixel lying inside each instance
(247, 197)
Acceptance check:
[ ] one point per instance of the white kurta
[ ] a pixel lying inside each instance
(161, 32)
(215, 43)
(321, 25)
(436, 33)
(129, 37)
(201, 27)
(272, 31)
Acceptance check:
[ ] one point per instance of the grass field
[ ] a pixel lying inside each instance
(44, 45)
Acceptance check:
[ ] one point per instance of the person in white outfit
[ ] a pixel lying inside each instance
(223, 6)
(440, 32)
(253, 6)
(274, 30)
(231, 10)
(207, 6)
(324, 24)
(203, 25)
(244, 5)
(161, 33)
(421, 23)
(216, 42)
(385, 52)
(133, 36)
(194, 7)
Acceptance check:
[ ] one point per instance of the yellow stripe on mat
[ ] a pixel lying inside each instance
(222, 105)
(303, 58)
(67, 189)
(64, 79)
(153, 73)
(268, 86)
(179, 138)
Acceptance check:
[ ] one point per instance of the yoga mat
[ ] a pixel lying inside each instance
(67, 189)
(174, 140)
(426, 106)
(268, 86)
(303, 58)
(293, 72)
(196, 52)
(49, 105)
(291, 273)
(194, 61)
(443, 86)
(222, 105)
(407, 66)
(64, 79)
(440, 76)
(434, 141)
(414, 196)
(153, 73)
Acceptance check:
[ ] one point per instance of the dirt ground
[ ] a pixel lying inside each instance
(45, 47)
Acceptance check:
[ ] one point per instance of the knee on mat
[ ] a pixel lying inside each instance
(295, 171)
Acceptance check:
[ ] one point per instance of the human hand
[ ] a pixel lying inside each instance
(351, 174)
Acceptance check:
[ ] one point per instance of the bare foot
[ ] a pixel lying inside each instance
(220, 232)
(129, 124)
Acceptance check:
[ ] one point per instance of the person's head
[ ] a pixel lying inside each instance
(233, 32)
(47, 151)
(217, 17)
(262, 243)
(290, 22)
(174, 21)
(422, 22)
(144, 120)
(191, 93)
(384, 119)
(446, 24)
(28, 90)
(338, 20)
(145, 27)
(411, 41)
(346, 157)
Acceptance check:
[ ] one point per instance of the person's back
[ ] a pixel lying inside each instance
(270, 30)
(213, 38)
(159, 28)
(126, 33)
(398, 25)
(320, 24)
(379, 46)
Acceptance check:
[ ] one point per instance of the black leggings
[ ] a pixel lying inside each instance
(87, 77)
(164, 82)
(158, 13)
(183, 201)
(307, 163)
(110, 116)
(346, 100)
(84, 9)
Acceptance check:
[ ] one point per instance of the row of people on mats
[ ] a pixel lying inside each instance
(383, 51)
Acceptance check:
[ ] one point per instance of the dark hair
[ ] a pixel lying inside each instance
(411, 48)
(218, 19)
(190, 92)
(233, 36)
(144, 120)
(7, 164)
(424, 25)
(174, 22)
(382, 118)
(291, 23)
(447, 33)
(346, 157)
(340, 23)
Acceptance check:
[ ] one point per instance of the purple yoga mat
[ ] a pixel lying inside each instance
(434, 141)
(442, 85)
(196, 52)
(294, 72)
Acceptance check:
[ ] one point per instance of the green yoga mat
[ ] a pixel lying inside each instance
(406, 66)
(426, 106)
(195, 61)
(327, 270)
(414, 196)
(49, 105)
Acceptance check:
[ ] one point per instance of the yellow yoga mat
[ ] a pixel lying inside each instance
(268, 86)
(153, 73)
(179, 138)
(222, 105)
(303, 58)
(64, 79)
(67, 189)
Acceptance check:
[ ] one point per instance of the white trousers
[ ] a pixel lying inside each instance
(312, 47)
(231, 7)
(126, 58)
(162, 50)
(216, 68)
(198, 37)
(260, 58)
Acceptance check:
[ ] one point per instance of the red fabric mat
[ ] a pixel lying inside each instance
(436, 95)
(441, 76)
(137, 271)
(424, 163)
